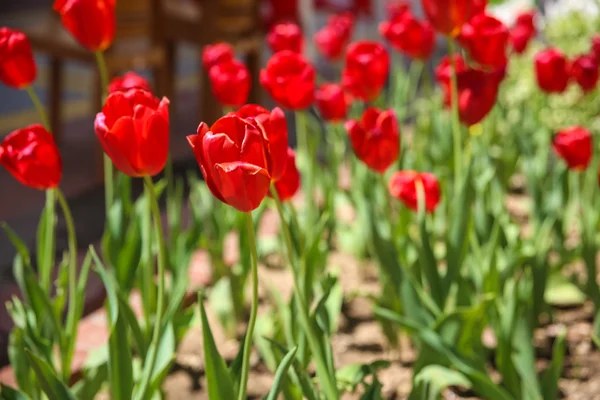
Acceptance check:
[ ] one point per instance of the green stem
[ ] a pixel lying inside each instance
(304, 146)
(39, 107)
(456, 133)
(414, 74)
(156, 336)
(72, 286)
(148, 289)
(253, 309)
(108, 166)
(326, 378)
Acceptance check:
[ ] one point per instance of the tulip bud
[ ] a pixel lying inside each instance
(574, 146)
(216, 53)
(552, 72)
(584, 70)
(331, 40)
(522, 32)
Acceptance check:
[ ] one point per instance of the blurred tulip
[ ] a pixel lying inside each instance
(31, 156)
(216, 53)
(552, 71)
(403, 186)
(130, 80)
(574, 146)
(523, 31)
(395, 8)
(407, 34)
(332, 102)
(17, 66)
(332, 39)
(290, 79)
(595, 47)
(275, 127)
(233, 155)
(133, 129)
(584, 70)
(449, 16)
(477, 89)
(485, 39)
(286, 36)
(366, 69)
(230, 82)
(289, 183)
(91, 22)
(375, 138)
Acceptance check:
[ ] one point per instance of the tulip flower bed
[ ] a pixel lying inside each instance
(435, 236)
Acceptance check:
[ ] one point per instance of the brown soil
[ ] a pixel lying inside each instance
(360, 340)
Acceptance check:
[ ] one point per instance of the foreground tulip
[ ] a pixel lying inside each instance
(366, 69)
(332, 39)
(403, 186)
(286, 36)
(574, 146)
(552, 71)
(17, 66)
(408, 35)
(216, 53)
(133, 129)
(289, 183)
(522, 32)
(230, 82)
(375, 138)
(275, 128)
(130, 80)
(234, 158)
(485, 38)
(289, 79)
(332, 102)
(477, 89)
(91, 22)
(584, 70)
(31, 156)
(449, 16)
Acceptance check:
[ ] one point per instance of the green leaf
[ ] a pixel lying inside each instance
(218, 380)
(51, 385)
(281, 373)
(8, 393)
(18, 361)
(562, 292)
(136, 331)
(429, 265)
(164, 358)
(552, 375)
(350, 376)
(221, 303)
(120, 364)
(46, 239)
(17, 242)
(523, 357)
(432, 380)
(91, 384)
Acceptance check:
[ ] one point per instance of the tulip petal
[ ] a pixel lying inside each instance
(242, 185)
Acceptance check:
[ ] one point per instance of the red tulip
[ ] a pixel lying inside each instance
(130, 80)
(331, 40)
(396, 8)
(584, 70)
(332, 102)
(485, 38)
(286, 36)
(275, 127)
(216, 53)
(133, 129)
(552, 71)
(234, 158)
(477, 89)
(17, 66)
(230, 82)
(574, 146)
(91, 22)
(407, 34)
(289, 183)
(31, 156)
(375, 138)
(366, 69)
(523, 31)
(449, 16)
(595, 50)
(403, 186)
(289, 79)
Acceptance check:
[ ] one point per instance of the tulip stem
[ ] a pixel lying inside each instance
(156, 336)
(308, 162)
(456, 134)
(326, 376)
(72, 283)
(39, 108)
(253, 309)
(108, 166)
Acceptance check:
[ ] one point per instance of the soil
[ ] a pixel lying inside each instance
(360, 340)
